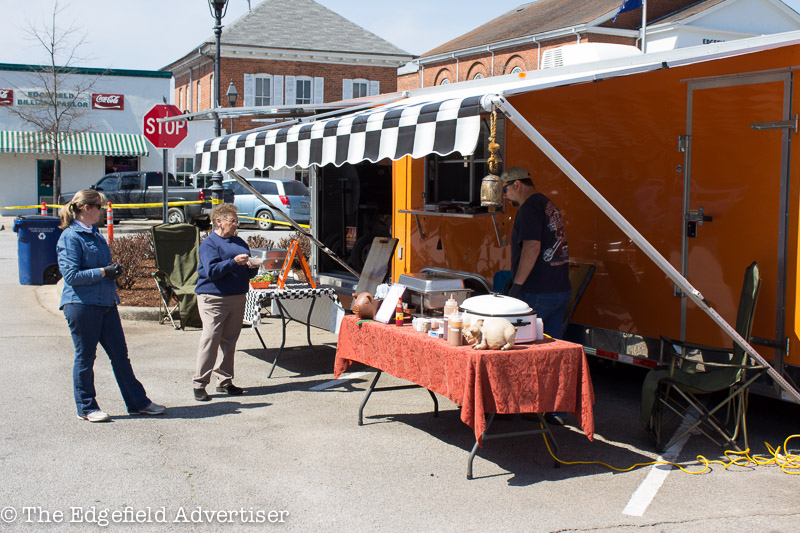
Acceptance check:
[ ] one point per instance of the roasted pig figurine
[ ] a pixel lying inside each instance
(493, 334)
(364, 306)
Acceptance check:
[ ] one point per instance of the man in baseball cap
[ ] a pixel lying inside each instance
(539, 254)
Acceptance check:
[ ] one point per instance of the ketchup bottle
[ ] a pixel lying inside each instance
(398, 314)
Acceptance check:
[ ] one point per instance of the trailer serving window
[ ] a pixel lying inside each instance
(454, 181)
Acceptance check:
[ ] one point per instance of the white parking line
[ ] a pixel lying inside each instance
(335, 382)
(646, 492)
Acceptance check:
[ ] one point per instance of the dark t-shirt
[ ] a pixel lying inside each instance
(538, 219)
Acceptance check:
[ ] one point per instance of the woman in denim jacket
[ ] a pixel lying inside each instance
(89, 302)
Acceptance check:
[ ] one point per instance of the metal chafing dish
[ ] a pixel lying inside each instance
(429, 292)
(273, 257)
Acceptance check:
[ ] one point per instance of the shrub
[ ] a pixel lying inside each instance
(129, 252)
(257, 241)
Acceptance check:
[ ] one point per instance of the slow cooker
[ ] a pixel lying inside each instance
(498, 306)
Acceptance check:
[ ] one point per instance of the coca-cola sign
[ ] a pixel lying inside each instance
(6, 97)
(108, 101)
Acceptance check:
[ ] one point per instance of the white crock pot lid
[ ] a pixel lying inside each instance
(495, 305)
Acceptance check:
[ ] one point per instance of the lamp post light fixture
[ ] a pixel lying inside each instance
(232, 95)
(218, 8)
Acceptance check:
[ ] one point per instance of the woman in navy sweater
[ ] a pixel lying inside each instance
(223, 279)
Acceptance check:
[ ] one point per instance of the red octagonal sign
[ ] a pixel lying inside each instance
(164, 134)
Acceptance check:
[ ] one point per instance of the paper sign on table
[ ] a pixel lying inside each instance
(389, 304)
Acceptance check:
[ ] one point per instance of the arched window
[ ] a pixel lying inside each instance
(445, 81)
(516, 70)
(478, 76)
(199, 97)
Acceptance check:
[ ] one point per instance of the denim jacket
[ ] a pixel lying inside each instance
(82, 254)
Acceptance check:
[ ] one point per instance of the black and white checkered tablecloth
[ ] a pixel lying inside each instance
(293, 291)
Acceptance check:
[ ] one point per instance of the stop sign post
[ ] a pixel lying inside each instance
(164, 135)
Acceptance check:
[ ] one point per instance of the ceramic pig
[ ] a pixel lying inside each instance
(364, 306)
(494, 334)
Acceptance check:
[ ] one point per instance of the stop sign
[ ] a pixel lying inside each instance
(164, 134)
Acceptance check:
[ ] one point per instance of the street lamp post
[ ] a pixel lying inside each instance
(218, 8)
(232, 95)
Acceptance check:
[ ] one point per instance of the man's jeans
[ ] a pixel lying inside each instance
(90, 325)
(550, 307)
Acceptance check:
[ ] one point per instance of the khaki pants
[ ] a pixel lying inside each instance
(222, 322)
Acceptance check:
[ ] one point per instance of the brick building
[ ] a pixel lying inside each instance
(532, 36)
(287, 52)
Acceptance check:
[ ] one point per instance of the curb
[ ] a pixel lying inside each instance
(49, 297)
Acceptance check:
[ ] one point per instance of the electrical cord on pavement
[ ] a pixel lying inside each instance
(788, 462)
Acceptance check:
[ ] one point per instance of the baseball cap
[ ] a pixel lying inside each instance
(513, 174)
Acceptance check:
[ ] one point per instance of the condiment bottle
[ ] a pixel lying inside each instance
(454, 330)
(398, 314)
(450, 306)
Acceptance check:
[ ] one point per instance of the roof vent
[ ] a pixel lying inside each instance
(574, 54)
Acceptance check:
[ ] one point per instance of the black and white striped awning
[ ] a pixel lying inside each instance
(415, 126)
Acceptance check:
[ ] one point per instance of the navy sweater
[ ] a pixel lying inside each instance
(218, 273)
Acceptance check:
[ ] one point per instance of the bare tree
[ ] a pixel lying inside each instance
(60, 100)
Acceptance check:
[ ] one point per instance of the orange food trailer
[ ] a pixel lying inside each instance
(690, 149)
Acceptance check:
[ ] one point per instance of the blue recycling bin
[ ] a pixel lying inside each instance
(37, 236)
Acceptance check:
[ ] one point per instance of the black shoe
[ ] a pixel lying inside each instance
(230, 388)
(554, 419)
(201, 396)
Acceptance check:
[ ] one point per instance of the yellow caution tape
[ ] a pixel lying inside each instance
(116, 206)
(282, 223)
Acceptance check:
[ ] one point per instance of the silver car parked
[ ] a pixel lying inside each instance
(291, 196)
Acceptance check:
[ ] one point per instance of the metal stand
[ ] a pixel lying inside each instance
(544, 429)
(287, 317)
(397, 387)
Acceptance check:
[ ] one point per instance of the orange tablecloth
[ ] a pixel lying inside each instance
(530, 378)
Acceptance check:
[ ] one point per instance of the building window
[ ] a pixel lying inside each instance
(478, 76)
(360, 88)
(304, 93)
(183, 170)
(180, 98)
(445, 81)
(456, 179)
(516, 70)
(258, 173)
(303, 175)
(263, 90)
(199, 100)
(212, 92)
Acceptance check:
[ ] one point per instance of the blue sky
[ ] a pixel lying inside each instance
(148, 34)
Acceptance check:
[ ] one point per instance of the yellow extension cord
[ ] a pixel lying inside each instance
(789, 462)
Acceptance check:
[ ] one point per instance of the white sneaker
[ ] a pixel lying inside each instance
(152, 409)
(95, 416)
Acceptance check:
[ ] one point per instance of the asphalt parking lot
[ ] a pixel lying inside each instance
(288, 454)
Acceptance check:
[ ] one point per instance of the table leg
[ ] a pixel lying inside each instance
(366, 397)
(489, 420)
(372, 388)
(283, 338)
(255, 328)
(544, 430)
(308, 319)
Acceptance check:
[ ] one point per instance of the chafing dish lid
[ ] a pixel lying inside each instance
(429, 282)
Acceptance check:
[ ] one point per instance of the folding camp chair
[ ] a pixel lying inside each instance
(176, 247)
(580, 274)
(697, 373)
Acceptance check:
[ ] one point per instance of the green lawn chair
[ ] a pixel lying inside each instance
(176, 252)
(702, 381)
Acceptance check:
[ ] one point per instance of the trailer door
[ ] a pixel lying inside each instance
(735, 198)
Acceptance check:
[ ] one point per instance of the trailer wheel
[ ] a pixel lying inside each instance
(175, 216)
(263, 223)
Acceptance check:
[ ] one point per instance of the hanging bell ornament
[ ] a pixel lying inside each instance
(491, 191)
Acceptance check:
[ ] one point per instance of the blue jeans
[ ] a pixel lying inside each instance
(90, 325)
(550, 307)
